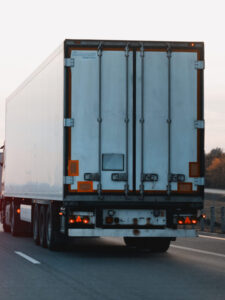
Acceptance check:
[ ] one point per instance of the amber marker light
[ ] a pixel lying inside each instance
(204, 216)
(18, 210)
(60, 213)
(192, 44)
(180, 221)
(86, 220)
(109, 220)
(194, 221)
(71, 221)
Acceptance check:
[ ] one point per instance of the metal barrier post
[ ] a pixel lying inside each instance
(212, 218)
(223, 219)
(202, 222)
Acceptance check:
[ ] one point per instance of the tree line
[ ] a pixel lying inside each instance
(215, 169)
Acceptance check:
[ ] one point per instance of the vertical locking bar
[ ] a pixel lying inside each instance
(169, 121)
(127, 118)
(100, 118)
(142, 119)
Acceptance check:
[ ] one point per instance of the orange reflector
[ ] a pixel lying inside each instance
(187, 220)
(71, 221)
(184, 187)
(135, 221)
(194, 169)
(18, 210)
(109, 220)
(60, 213)
(86, 220)
(78, 219)
(73, 168)
(85, 186)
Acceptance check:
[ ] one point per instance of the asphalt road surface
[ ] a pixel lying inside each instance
(104, 268)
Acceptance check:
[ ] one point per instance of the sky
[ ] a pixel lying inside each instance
(31, 30)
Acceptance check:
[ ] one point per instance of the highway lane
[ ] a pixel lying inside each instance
(106, 269)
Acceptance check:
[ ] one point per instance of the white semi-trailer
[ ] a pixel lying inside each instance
(106, 138)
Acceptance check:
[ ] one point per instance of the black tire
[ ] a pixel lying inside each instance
(131, 241)
(15, 220)
(52, 228)
(154, 244)
(36, 224)
(42, 226)
(6, 228)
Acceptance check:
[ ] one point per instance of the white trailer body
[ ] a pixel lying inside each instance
(34, 134)
(111, 125)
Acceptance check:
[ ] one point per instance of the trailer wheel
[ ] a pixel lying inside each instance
(131, 241)
(36, 224)
(6, 228)
(154, 244)
(52, 240)
(15, 220)
(42, 226)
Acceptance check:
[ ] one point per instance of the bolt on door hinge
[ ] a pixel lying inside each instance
(200, 65)
(68, 122)
(69, 62)
(199, 181)
(68, 180)
(199, 124)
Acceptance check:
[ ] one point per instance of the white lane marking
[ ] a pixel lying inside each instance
(211, 237)
(198, 251)
(30, 259)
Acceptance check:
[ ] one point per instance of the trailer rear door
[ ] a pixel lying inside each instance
(166, 143)
(136, 121)
(101, 106)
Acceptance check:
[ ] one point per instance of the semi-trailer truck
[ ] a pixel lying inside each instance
(106, 138)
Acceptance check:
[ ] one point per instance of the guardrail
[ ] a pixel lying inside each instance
(214, 221)
(214, 209)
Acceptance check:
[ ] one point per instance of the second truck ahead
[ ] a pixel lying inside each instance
(106, 138)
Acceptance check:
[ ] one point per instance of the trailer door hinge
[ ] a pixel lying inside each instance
(68, 122)
(68, 180)
(199, 181)
(199, 124)
(200, 65)
(69, 62)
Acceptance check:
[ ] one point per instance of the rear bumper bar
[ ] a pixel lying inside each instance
(132, 233)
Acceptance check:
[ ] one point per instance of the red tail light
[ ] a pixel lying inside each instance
(86, 220)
